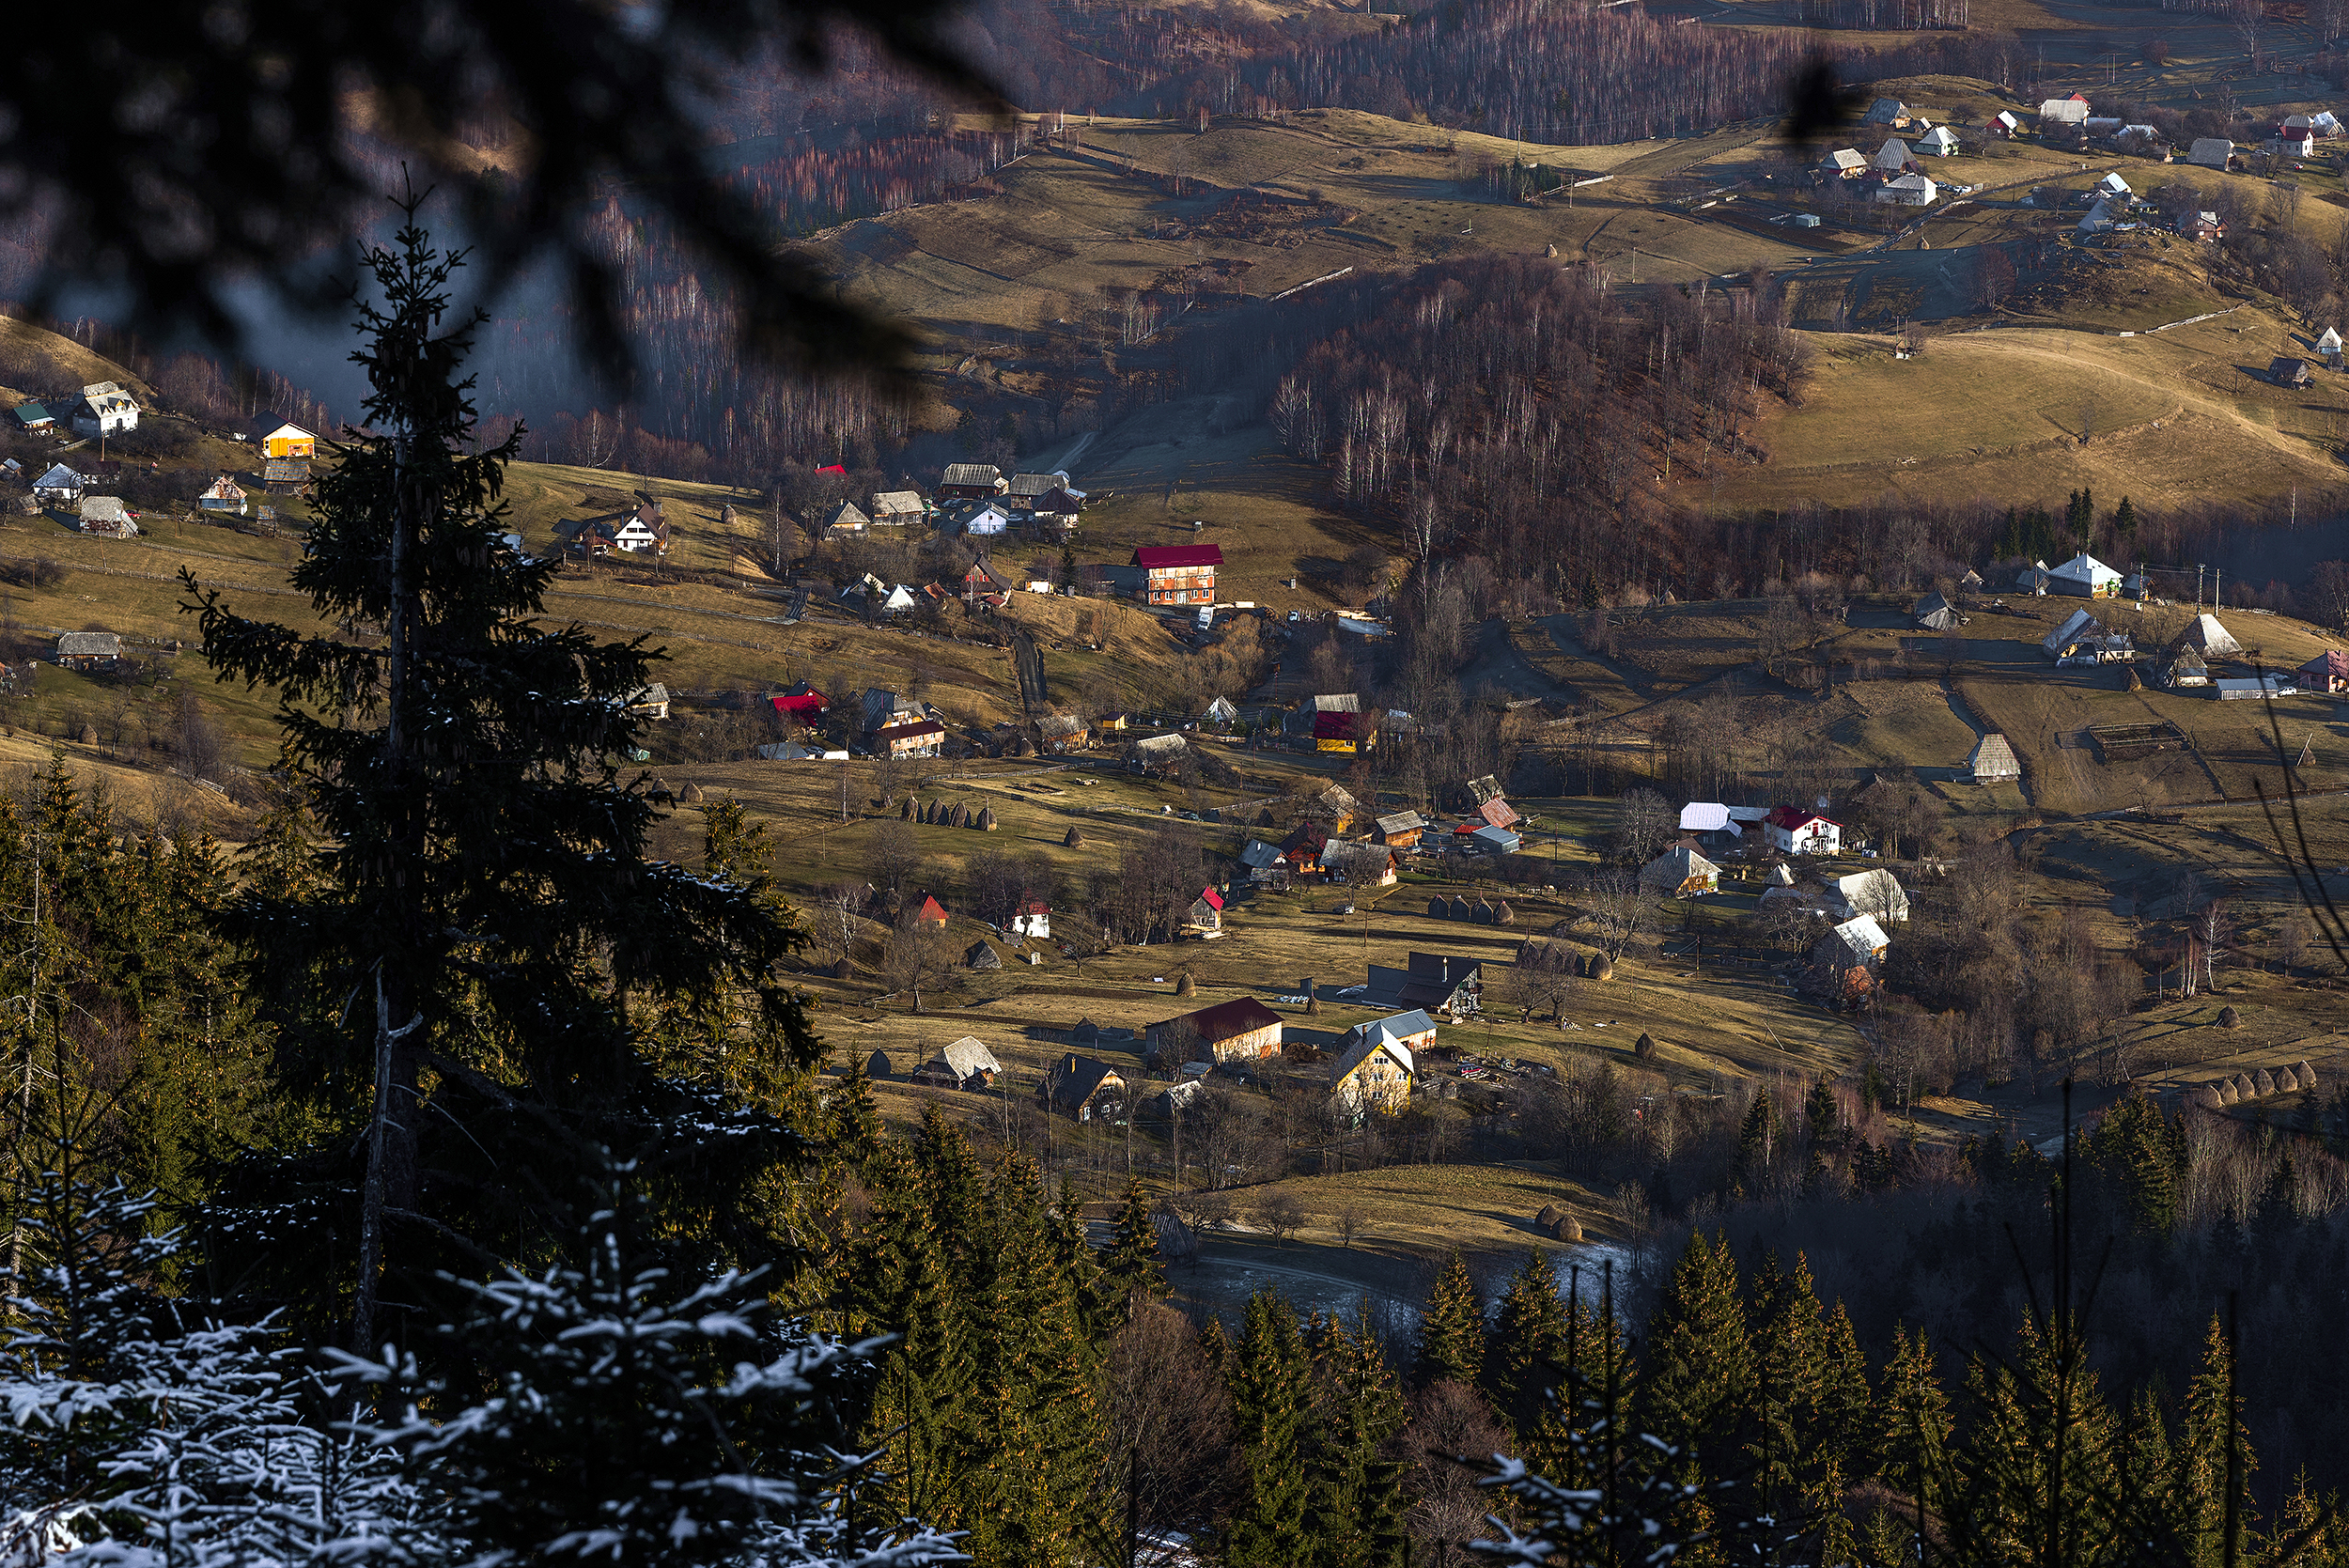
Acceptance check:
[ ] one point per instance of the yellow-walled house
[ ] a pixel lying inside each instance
(1374, 1073)
(289, 441)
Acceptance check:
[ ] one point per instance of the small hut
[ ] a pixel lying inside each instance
(1087, 1033)
(982, 957)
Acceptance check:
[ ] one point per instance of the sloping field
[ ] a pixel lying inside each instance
(2029, 413)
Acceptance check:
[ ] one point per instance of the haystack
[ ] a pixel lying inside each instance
(691, 794)
(2207, 1097)
(982, 957)
(2262, 1084)
(1074, 838)
(1481, 912)
(986, 819)
(2308, 1077)
(1569, 1228)
(876, 1066)
(1462, 911)
(2244, 1088)
(904, 813)
(2287, 1081)
(2227, 1094)
(1602, 967)
(1502, 914)
(1546, 1221)
(1184, 984)
(1439, 908)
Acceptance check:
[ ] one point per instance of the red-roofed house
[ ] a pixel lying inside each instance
(804, 702)
(1301, 850)
(932, 913)
(1244, 1030)
(1207, 911)
(2328, 671)
(1497, 813)
(1796, 831)
(1343, 732)
(1179, 574)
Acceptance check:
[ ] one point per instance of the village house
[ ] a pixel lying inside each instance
(1264, 863)
(34, 416)
(878, 708)
(1992, 760)
(2203, 226)
(965, 1065)
(1845, 163)
(106, 410)
(2288, 370)
(1302, 849)
(930, 915)
(649, 702)
(1360, 865)
(972, 482)
(897, 508)
(1336, 807)
(2063, 110)
(1178, 574)
(1793, 830)
(1343, 733)
(1242, 1030)
(923, 739)
(978, 519)
(845, 520)
(1372, 1070)
(1680, 873)
(2210, 153)
(105, 517)
(1060, 734)
(1889, 112)
(1431, 983)
(1400, 830)
(289, 441)
(2329, 343)
(2082, 639)
(1083, 1087)
(2328, 671)
(88, 650)
(226, 495)
(645, 529)
(1937, 142)
(802, 704)
(59, 486)
(1894, 155)
(1845, 959)
(1033, 920)
(1909, 190)
(2003, 125)
(1030, 492)
(1876, 892)
(1207, 911)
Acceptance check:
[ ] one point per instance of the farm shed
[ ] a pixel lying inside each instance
(2254, 689)
(1845, 163)
(965, 1065)
(895, 508)
(973, 481)
(2211, 639)
(1934, 613)
(2063, 110)
(87, 650)
(2210, 153)
(2185, 669)
(1887, 111)
(1400, 830)
(107, 517)
(1993, 759)
(2330, 343)
(2289, 370)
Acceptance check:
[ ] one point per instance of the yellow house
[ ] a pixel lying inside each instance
(289, 441)
(1374, 1072)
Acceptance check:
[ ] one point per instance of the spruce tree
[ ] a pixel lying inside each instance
(1788, 1355)
(1529, 1345)
(1450, 1328)
(1037, 1422)
(2214, 1449)
(1843, 1398)
(1131, 1265)
(1356, 1517)
(902, 1281)
(488, 906)
(1271, 1386)
(1698, 1375)
(1759, 1138)
(1820, 1112)
(2037, 1473)
(1912, 1421)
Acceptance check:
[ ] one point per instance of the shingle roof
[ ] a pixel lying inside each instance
(89, 645)
(971, 474)
(1076, 1079)
(1994, 758)
(968, 1057)
(1400, 822)
(2332, 663)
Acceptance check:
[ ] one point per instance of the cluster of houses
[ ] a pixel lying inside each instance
(1894, 172)
(638, 527)
(1319, 849)
(977, 499)
(104, 409)
(1372, 1068)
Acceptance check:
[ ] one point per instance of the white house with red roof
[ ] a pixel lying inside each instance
(1796, 832)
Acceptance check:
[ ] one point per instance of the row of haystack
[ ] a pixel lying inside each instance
(940, 814)
(1497, 912)
(1557, 1220)
(2256, 1086)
